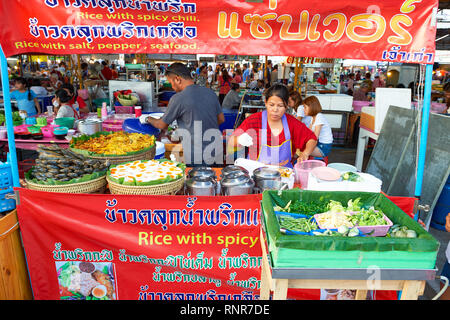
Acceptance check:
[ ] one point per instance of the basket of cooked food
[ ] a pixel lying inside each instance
(61, 170)
(146, 177)
(116, 147)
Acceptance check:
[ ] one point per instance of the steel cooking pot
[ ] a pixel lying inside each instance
(202, 172)
(89, 126)
(237, 183)
(201, 186)
(268, 179)
(233, 169)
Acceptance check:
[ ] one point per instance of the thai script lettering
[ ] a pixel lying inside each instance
(126, 29)
(174, 6)
(395, 55)
(81, 255)
(243, 261)
(208, 295)
(178, 276)
(224, 215)
(250, 283)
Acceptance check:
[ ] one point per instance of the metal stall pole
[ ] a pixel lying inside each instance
(9, 119)
(424, 130)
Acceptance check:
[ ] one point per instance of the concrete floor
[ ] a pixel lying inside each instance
(347, 155)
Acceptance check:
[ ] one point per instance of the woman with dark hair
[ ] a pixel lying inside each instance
(63, 98)
(224, 81)
(319, 125)
(26, 98)
(273, 136)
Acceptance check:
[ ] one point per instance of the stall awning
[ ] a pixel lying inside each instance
(389, 30)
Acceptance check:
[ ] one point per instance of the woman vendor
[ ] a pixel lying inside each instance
(273, 136)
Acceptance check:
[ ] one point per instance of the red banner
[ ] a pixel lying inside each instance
(388, 30)
(141, 247)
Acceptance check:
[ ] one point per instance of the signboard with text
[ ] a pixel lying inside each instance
(116, 247)
(389, 30)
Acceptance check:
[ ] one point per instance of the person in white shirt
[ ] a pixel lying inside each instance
(38, 89)
(319, 125)
(295, 103)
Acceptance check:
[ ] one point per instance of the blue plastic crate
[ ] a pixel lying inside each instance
(6, 187)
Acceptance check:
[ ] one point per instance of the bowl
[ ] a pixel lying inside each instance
(60, 131)
(99, 291)
(65, 122)
(23, 136)
(37, 136)
(34, 129)
(61, 136)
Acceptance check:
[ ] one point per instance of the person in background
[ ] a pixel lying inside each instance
(238, 76)
(273, 137)
(358, 75)
(274, 75)
(202, 77)
(224, 82)
(377, 83)
(106, 71)
(360, 94)
(37, 88)
(26, 98)
(184, 107)
(322, 79)
(76, 101)
(232, 100)
(369, 81)
(246, 73)
(400, 85)
(350, 83)
(296, 103)
(319, 125)
(84, 71)
(55, 82)
(114, 73)
(62, 68)
(210, 76)
(291, 75)
(62, 98)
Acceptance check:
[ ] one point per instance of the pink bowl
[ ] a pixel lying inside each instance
(47, 131)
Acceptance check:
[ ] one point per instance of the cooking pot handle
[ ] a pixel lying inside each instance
(257, 190)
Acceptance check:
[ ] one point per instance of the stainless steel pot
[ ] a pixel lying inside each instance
(202, 172)
(234, 184)
(89, 126)
(201, 186)
(232, 169)
(268, 179)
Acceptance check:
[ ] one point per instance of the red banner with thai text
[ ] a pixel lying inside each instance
(387, 30)
(119, 247)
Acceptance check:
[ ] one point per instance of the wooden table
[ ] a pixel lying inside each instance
(410, 282)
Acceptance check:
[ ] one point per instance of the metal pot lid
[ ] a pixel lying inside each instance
(267, 173)
(200, 182)
(90, 121)
(236, 180)
(233, 168)
(202, 171)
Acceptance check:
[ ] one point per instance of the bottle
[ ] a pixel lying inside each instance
(104, 111)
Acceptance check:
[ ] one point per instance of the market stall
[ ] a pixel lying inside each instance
(197, 247)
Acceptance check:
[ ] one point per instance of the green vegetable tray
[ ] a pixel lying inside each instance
(304, 251)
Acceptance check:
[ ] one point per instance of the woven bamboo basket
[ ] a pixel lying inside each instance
(169, 188)
(146, 155)
(92, 186)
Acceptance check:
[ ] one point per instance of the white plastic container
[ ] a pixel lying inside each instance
(160, 150)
